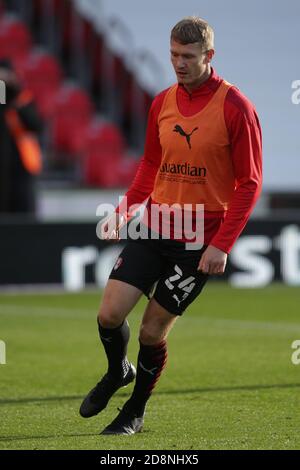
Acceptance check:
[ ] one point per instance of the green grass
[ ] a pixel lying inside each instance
(229, 383)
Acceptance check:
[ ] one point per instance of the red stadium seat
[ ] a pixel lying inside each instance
(127, 169)
(103, 171)
(73, 111)
(103, 154)
(105, 137)
(42, 74)
(15, 38)
(110, 139)
(104, 175)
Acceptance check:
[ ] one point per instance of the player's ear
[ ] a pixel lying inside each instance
(209, 55)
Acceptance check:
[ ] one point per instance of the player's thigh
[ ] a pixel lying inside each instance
(136, 270)
(140, 264)
(156, 324)
(118, 300)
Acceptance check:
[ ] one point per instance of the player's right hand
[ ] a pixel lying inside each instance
(110, 228)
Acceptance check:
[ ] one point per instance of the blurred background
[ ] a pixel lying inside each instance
(80, 76)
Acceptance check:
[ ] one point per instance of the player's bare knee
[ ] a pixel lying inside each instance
(109, 318)
(150, 336)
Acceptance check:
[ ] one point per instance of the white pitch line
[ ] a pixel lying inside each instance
(18, 310)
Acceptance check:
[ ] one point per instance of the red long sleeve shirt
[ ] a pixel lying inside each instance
(222, 228)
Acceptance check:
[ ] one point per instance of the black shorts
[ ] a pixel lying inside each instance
(162, 269)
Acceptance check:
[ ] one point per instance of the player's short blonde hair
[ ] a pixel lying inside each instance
(194, 29)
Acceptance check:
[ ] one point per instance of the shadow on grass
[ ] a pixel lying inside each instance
(238, 388)
(59, 436)
(29, 438)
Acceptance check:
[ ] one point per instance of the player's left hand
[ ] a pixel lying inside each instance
(213, 261)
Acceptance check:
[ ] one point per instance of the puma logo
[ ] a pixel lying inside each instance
(179, 301)
(150, 371)
(107, 340)
(179, 129)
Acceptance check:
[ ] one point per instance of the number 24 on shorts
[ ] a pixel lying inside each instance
(186, 285)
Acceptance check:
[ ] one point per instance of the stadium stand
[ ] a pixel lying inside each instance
(72, 112)
(85, 93)
(15, 39)
(104, 148)
(43, 75)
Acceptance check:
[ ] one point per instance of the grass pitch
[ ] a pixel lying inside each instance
(229, 382)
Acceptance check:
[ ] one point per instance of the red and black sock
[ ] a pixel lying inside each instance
(115, 341)
(151, 362)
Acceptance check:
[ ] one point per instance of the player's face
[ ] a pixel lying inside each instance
(190, 63)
